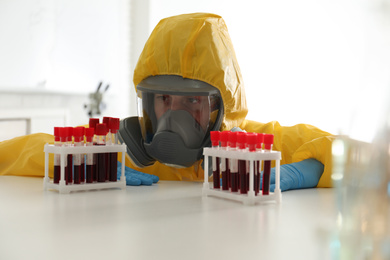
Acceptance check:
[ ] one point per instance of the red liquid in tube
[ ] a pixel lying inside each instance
(214, 137)
(114, 127)
(224, 161)
(101, 160)
(69, 165)
(242, 167)
(260, 138)
(268, 141)
(77, 163)
(89, 133)
(57, 157)
(233, 163)
(92, 124)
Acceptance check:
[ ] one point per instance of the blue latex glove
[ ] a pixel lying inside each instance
(136, 178)
(299, 175)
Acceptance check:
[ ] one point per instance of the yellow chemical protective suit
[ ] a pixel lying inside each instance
(198, 46)
(195, 46)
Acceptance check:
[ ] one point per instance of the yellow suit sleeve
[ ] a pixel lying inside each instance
(297, 143)
(24, 155)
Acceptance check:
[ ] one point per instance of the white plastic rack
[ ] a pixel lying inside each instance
(250, 198)
(62, 187)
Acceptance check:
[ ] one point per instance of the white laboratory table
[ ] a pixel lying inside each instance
(169, 220)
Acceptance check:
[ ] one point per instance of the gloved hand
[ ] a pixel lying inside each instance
(136, 178)
(299, 175)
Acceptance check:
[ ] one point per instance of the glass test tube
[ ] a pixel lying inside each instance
(57, 157)
(214, 137)
(242, 169)
(69, 166)
(252, 141)
(224, 161)
(106, 121)
(101, 163)
(77, 163)
(89, 133)
(83, 156)
(114, 127)
(92, 124)
(233, 163)
(268, 141)
(259, 148)
(64, 139)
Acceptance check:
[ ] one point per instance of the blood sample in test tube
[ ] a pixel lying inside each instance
(224, 161)
(214, 137)
(268, 141)
(233, 163)
(57, 157)
(252, 141)
(106, 121)
(259, 148)
(92, 124)
(242, 169)
(77, 163)
(101, 132)
(114, 127)
(83, 156)
(69, 166)
(64, 139)
(89, 133)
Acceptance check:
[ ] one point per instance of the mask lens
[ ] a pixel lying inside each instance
(156, 112)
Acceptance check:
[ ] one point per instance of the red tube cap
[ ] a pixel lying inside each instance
(113, 124)
(214, 137)
(93, 122)
(241, 140)
(232, 139)
(251, 139)
(101, 129)
(260, 140)
(224, 138)
(268, 141)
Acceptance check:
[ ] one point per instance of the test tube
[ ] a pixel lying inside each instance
(214, 137)
(57, 157)
(242, 168)
(92, 124)
(259, 148)
(69, 167)
(224, 161)
(114, 127)
(106, 121)
(101, 132)
(64, 139)
(252, 141)
(89, 133)
(233, 163)
(268, 141)
(77, 164)
(83, 156)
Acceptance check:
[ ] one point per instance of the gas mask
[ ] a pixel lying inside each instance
(175, 117)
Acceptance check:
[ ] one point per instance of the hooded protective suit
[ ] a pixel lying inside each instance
(195, 46)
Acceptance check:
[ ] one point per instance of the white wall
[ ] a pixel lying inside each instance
(322, 62)
(55, 52)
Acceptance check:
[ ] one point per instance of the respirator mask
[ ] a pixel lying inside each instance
(175, 117)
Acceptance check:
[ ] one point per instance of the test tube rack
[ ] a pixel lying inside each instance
(62, 187)
(250, 198)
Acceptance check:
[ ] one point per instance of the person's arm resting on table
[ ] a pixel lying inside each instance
(299, 175)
